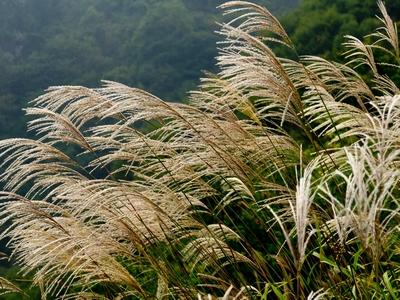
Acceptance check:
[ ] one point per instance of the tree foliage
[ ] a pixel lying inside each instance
(318, 27)
(161, 46)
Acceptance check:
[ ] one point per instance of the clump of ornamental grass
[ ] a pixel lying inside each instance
(280, 179)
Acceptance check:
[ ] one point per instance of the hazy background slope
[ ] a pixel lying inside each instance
(160, 46)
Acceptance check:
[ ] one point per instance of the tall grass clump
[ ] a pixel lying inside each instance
(279, 180)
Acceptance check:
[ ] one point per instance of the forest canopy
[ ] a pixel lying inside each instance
(317, 27)
(161, 46)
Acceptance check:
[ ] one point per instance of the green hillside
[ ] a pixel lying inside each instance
(160, 46)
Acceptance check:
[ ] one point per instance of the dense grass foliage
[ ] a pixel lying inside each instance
(278, 180)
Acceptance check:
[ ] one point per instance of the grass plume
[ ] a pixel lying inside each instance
(278, 180)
